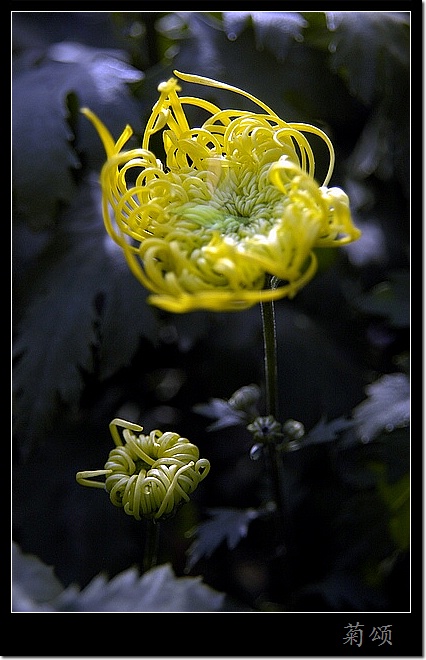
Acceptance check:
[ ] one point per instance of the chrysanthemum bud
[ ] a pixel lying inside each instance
(265, 429)
(256, 451)
(150, 476)
(293, 429)
(245, 399)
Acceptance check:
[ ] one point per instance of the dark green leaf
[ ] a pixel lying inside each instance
(383, 148)
(56, 335)
(370, 49)
(390, 299)
(396, 496)
(43, 158)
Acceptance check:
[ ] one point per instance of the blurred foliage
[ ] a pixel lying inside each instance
(87, 347)
(36, 589)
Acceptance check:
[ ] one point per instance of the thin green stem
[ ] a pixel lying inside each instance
(271, 381)
(151, 544)
(270, 347)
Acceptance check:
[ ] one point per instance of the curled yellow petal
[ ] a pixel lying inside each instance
(234, 202)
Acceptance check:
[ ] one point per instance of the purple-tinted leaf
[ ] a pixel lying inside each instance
(227, 524)
(43, 155)
(386, 408)
(158, 590)
(326, 431)
(274, 30)
(36, 589)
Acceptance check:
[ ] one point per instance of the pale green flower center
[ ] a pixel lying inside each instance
(236, 209)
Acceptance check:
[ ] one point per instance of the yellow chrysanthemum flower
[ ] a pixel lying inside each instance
(234, 203)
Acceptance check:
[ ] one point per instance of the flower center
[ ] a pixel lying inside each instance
(238, 207)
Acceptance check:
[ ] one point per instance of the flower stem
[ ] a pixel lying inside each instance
(270, 347)
(151, 544)
(271, 379)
